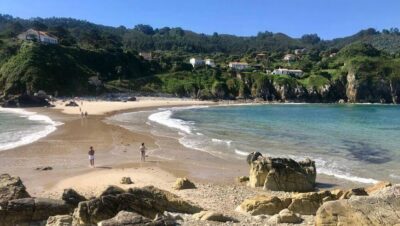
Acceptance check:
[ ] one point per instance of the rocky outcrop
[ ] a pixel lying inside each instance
(59, 220)
(213, 216)
(382, 208)
(147, 201)
(31, 209)
(71, 197)
(11, 188)
(282, 174)
(183, 183)
(377, 187)
(351, 87)
(24, 101)
(301, 203)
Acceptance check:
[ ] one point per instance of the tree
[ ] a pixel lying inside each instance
(310, 39)
(145, 29)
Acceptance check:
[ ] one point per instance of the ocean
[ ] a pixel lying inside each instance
(354, 142)
(19, 127)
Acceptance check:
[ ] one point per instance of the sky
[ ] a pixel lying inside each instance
(327, 18)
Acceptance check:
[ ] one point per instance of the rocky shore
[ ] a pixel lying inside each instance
(277, 191)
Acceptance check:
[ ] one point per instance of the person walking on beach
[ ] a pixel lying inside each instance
(143, 152)
(91, 156)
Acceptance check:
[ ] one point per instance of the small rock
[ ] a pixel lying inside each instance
(71, 104)
(126, 180)
(183, 183)
(242, 179)
(287, 216)
(44, 168)
(212, 216)
(126, 218)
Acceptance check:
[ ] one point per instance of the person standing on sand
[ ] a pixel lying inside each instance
(91, 156)
(143, 152)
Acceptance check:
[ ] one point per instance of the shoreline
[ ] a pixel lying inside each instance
(65, 151)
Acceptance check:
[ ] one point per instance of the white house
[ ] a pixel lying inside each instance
(40, 36)
(238, 65)
(195, 62)
(300, 51)
(146, 55)
(289, 57)
(285, 71)
(209, 62)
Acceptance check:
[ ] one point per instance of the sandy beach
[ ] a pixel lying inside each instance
(117, 156)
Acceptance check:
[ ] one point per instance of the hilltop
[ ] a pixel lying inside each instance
(93, 59)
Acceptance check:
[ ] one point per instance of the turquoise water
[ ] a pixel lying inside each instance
(358, 143)
(352, 142)
(19, 127)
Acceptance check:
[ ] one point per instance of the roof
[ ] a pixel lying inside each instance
(42, 33)
(238, 63)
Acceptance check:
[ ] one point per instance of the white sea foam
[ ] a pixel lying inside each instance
(227, 142)
(164, 117)
(242, 153)
(50, 126)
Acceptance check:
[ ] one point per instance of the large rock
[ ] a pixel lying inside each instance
(11, 188)
(183, 183)
(70, 196)
(212, 216)
(59, 220)
(147, 201)
(263, 204)
(282, 174)
(382, 208)
(308, 203)
(31, 209)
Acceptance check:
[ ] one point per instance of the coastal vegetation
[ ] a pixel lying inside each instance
(91, 59)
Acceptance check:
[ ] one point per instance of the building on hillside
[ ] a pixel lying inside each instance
(238, 65)
(146, 55)
(332, 54)
(39, 36)
(209, 62)
(261, 56)
(285, 71)
(300, 51)
(195, 62)
(289, 57)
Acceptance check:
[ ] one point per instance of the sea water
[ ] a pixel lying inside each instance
(355, 142)
(19, 127)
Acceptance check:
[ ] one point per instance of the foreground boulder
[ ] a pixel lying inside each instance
(283, 174)
(31, 209)
(11, 188)
(183, 183)
(148, 201)
(382, 208)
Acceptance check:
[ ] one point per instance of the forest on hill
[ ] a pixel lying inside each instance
(90, 59)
